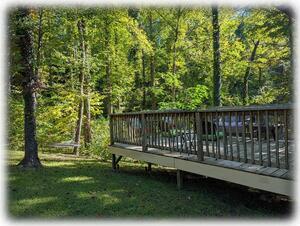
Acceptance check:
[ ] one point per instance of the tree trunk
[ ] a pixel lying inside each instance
(80, 26)
(291, 46)
(216, 58)
(176, 33)
(78, 126)
(86, 91)
(108, 71)
(30, 85)
(247, 74)
(39, 43)
(260, 77)
(152, 63)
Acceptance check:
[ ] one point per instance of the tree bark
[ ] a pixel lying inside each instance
(260, 77)
(39, 42)
(176, 33)
(144, 80)
(291, 46)
(217, 83)
(108, 71)
(82, 78)
(247, 74)
(85, 69)
(29, 85)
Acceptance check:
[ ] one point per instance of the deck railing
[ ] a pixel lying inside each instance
(260, 135)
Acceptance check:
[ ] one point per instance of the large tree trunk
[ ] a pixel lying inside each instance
(30, 85)
(39, 43)
(216, 58)
(247, 74)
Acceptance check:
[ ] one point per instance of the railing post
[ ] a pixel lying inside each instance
(144, 134)
(111, 131)
(199, 131)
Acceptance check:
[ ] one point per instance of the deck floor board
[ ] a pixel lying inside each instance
(253, 168)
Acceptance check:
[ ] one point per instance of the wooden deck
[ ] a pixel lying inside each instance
(256, 169)
(252, 147)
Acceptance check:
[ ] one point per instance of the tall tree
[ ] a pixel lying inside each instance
(30, 85)
(247, 74)
(80, 26)
(216, 57)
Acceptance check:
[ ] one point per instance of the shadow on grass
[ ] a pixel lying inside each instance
(86, 188)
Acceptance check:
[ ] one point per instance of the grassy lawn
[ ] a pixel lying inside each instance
(81, 187)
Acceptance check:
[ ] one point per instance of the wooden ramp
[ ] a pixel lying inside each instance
(261, 177)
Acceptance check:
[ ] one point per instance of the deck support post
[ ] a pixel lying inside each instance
(148, 168)
(179, 179)
(114, 164)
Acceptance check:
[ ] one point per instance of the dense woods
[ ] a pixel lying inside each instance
(85, 63)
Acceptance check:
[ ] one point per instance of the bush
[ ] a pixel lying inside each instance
(100, 139)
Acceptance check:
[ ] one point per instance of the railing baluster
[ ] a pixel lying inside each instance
(286, 147)
(181, 131)
(166, 132)
(212, 134)
(200, 154)
(189, 134)
(259, 138)
(251, 137)
(218, 139)
(224, 137)
(173, 132)
(206, 134)
(276, 140)
(144, 135)
(230, 137)
(268, 138)
(244, 138)
(155, 128)
(176, 130)
(184, 133)
(159, 130)
(237, 137)
(152, 130)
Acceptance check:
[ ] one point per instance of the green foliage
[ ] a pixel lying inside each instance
(101, 140)
(16, 122)
(150, 58)
(191, 99)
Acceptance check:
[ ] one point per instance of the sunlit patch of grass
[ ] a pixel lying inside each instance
(77, 179)
(80, 187)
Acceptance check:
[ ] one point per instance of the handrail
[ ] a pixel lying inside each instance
(215, 109)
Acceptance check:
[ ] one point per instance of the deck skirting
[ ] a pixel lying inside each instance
(250, 179)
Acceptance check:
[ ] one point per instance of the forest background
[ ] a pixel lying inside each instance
(90, 62)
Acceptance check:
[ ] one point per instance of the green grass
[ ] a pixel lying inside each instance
(68, 187)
